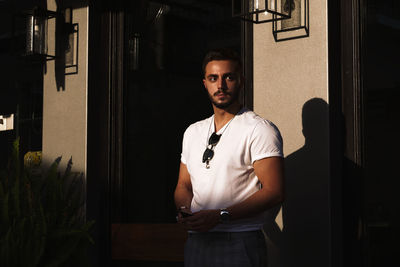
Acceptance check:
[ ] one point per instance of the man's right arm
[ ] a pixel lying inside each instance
(183, 191)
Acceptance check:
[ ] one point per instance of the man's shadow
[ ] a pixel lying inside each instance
(304, 240)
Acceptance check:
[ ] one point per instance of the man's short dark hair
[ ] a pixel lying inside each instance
(222, 54)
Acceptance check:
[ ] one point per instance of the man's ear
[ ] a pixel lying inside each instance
(204, 83)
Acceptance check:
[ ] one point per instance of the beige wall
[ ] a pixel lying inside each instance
(65, 111)
(287, 75)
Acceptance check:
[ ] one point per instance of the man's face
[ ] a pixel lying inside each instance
(223, 82)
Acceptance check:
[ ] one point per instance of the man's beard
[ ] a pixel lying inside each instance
(234, 96)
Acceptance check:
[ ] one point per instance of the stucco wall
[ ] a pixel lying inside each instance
(65, 109)
(291, 89)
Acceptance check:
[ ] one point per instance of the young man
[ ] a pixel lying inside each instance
(231, 172)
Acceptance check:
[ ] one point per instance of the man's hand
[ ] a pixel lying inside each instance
(182, 213)
(201, 221)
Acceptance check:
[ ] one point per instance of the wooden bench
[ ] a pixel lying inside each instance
(147, 242)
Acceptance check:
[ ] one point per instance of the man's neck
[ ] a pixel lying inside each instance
(223, 116)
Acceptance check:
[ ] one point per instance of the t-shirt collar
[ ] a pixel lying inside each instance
(241, 111)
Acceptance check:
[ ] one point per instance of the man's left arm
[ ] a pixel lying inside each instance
(270, 174)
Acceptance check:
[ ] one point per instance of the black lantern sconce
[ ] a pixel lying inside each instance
(261, 11)
(297, 26)
(66, 36)
(290, 18)
(36, 21)
(67, 42)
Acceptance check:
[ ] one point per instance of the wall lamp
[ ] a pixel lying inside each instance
(290, 18)
(36, 32)
(261, 11)
(36, 28)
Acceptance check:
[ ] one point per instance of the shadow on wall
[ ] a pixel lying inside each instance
(62, 38)
(304, 240)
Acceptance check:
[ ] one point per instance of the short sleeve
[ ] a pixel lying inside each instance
(266, 141)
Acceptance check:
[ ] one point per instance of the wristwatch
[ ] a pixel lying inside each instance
(224, 215)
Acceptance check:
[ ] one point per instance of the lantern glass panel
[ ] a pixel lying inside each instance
(259, 11)
(36, 34)
(40, 35)
(295, 27)
(30, 34)
(258, 5)
(296, 19)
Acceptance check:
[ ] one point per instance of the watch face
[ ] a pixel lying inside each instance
(224, 216)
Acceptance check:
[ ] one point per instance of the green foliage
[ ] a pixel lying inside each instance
(41, 216)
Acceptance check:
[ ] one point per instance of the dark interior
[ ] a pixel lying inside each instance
(164, 95)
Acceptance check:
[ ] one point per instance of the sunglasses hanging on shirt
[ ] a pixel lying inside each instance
(209, 152)
(212, 142)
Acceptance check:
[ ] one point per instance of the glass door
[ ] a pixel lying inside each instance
(164, 94)
(165, 42)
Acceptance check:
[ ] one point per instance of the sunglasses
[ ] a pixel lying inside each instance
(209, 152)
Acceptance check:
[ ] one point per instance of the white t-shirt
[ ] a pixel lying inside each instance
(230, 179)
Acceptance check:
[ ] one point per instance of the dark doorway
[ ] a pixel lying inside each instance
(164, 95)
(370, 89)
(164, 44)
(380, 101)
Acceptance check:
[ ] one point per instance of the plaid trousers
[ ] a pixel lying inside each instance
(230, 249)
